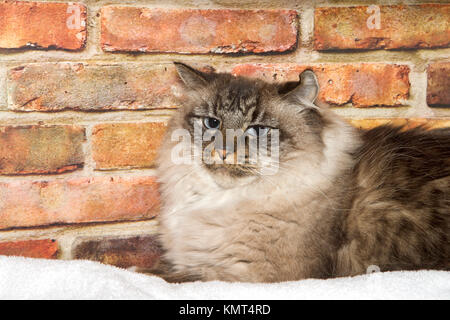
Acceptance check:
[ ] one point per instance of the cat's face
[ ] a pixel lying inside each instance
(249, 128)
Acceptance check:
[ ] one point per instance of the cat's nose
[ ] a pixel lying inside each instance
(222, 154)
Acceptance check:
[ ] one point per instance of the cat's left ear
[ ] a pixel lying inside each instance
(192, 78)
(307, 88)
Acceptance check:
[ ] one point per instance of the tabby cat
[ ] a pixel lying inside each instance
(341, 200)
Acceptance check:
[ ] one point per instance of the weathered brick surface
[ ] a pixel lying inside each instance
(43, 249)
(40, 149)
(42, 25)
(77, 200)
(198, 31)
(408, 123)
(126, 145)
(438, 92)
(363, 84)
(401, 26)
(82, 86)
(139, 251)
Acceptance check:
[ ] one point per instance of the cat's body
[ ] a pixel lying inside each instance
(400, 214)
(342, 200)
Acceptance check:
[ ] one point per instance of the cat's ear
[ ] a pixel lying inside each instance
(307, 88)
(192, 78)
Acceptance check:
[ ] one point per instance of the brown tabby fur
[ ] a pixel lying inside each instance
(399, 218)
(342, 201)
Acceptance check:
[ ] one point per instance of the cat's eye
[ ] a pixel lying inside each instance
(258, 131)
(211, 123)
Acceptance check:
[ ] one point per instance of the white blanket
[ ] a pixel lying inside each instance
(22, 278)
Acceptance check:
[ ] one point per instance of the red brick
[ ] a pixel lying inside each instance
(126, 145)
(364, 84)
(43, 249)
(409, 123)
(401, 26)
(77, 200)
(42, 25)
(438, 91)
(40, 149)
(92, 87)
(197, 31)
(140, 251)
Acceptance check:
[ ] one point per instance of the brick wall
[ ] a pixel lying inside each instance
(86, 90)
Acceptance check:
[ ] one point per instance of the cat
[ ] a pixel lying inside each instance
(339, 202)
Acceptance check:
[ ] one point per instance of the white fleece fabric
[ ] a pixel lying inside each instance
(23, 278)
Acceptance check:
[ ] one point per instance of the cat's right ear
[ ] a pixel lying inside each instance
(192, 78)
(307, 87)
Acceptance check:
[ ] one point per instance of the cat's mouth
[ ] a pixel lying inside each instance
(235, 170)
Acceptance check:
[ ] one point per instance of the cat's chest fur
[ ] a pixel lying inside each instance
(225, 233)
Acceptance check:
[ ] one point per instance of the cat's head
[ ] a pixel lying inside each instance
(227, 108)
